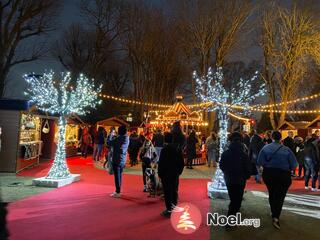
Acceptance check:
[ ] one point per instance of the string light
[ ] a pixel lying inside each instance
(238, 117)
(58, 98)
(255, 109)
(301, 99)
(205, 105)
(124, 100)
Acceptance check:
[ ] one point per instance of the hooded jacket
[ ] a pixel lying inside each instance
(120, 146)
(235, 164)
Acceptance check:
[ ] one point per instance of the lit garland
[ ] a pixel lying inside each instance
(129, 101)
(238, 117)
(210, 88)
(258, 107)
(205, 105)
(59, 98)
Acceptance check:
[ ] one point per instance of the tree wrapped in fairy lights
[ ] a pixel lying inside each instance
(210, 88)
(59, 97)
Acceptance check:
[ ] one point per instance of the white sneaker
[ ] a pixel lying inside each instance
(313, 190)
(115, 195)
(306, 188)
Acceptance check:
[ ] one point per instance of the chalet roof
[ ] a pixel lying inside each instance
(114, 121)
(293, 125)
(315, 123)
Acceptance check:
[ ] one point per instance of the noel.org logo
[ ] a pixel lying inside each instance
(186, 218)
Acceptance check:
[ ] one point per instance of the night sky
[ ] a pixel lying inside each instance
(70, 14)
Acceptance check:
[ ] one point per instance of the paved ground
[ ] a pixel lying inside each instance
(13, 188)
(293, 226)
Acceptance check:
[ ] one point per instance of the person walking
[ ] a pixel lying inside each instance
(85, 141)
(120, 146)
(289, 142)
(236, 168)
(179, 139)
(99, 141)
(170, 167)
(311, 162)
(212, 149)
(255, 146)
(191, 148)
(299, 152)
(277, 161)
(147, 155)
(134, 146)
(158, 141)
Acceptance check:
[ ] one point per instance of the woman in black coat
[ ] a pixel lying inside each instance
(191, 148)
(236, 167)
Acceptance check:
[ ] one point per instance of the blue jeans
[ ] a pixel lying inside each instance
(158, 151)
(311, 172)
(97, 151)
(117, 172)
(259, 174)
(211, 157)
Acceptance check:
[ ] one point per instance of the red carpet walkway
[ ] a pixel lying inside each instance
(84, 210)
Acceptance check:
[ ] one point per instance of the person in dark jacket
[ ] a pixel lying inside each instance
(192, 142)
(277, 161)
(246, 139)
(236, 167)
(289, 142)
(4, 233)
(170, 167)
(158, 141)
(120, 146)
(134, 146)
(179, 139)
(98, 143)
(256, 144)
(299, 147)
(311, 162)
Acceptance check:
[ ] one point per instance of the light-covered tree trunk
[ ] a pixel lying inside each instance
(59, 169)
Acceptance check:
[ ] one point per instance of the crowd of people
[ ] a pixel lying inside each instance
(161, 156)
(273, 160)
(265, 156)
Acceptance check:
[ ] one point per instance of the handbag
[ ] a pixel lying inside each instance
(46, 127)
(108, 167)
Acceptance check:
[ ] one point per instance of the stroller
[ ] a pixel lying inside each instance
(154, 185)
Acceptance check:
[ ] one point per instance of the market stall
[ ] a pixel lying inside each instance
(298, 128)
(29, 136)
(111, 122)
(314, 125)
(21, 136)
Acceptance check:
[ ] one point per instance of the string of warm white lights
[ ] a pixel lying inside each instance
(129, 101)
(239, 117)
(256, 109)
(302, 99)
(205, 105)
